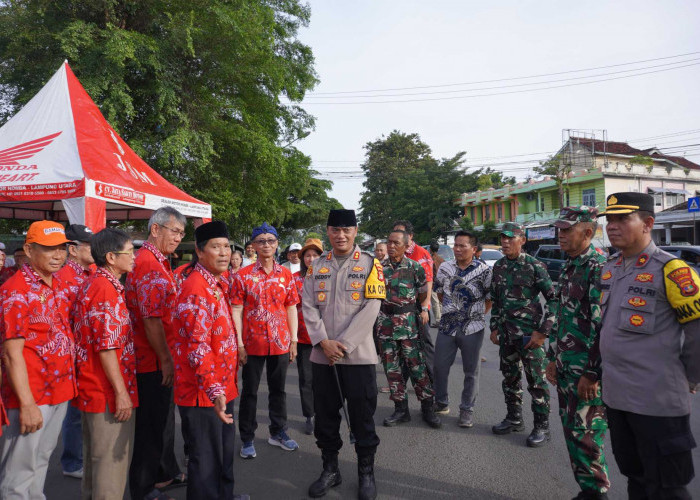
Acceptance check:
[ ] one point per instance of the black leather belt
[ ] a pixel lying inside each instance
(388, 308)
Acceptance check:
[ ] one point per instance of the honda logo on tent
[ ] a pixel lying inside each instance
(10, 156)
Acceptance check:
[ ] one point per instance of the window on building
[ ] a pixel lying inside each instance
(658, 199)
(567, 199)
(588, 197)
(488, 212)
(674, 199)
(500, 211)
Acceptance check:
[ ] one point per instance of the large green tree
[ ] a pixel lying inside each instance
(404, 181)
(204, 90)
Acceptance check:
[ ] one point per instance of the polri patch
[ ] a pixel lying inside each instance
(355, 295)
(644, 278)
(321, 296)
(356, 285)
(606, 275)
(322, 285)
(683, 279)
(637, 302)
(636, 320)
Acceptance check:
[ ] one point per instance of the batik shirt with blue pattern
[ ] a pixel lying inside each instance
(464, 294)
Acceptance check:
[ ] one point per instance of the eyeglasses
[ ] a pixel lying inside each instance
(126, 252)
(268, 241)
(176, 231)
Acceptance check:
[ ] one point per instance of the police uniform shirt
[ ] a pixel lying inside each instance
(341, 300)
(650, 339)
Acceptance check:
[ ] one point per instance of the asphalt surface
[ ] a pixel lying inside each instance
(413, 461)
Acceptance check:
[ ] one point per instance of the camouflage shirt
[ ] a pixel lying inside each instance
(404, 281)
(578, 315)
(515, 290)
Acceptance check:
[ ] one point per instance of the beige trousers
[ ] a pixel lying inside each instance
(107, 449)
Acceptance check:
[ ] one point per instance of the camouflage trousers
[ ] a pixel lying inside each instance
(584, 424)
(408, 352)
(534, 361)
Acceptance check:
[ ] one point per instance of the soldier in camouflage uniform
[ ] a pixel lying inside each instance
(573, 367)
(520, 326)
(397, 329)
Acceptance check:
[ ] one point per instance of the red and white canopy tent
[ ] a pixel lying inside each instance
(61, 160)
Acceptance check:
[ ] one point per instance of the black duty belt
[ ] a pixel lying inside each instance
(389, 308)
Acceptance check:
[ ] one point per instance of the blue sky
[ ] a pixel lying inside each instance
(366, 45)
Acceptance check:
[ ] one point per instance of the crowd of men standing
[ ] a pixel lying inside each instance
(105, 359)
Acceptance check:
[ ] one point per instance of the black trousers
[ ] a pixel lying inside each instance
(169, 468)
(276, 367)
(654, 453)
(151, 418)
(359, 385)
(210, 443)
(304, 370)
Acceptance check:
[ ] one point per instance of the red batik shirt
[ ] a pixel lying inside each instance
(265, 298)
(151, 292)
(32, 310)
(73, 276)
(101, 322)
(422, 256)
(205, 351)
(181, 273)
(303, 333)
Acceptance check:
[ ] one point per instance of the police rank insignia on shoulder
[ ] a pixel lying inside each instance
(310, 271)
(682, 290)
(642, 260)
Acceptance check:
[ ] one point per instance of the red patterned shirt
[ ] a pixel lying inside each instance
(32, 310)
(151, 292)
(303, 332)
(265, 298)
(205, 351)
(422, 256)
(73, 276)
(101, 320)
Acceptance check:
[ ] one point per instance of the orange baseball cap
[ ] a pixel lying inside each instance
(47, 233)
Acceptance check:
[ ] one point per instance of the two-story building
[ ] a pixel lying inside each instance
(595, 168)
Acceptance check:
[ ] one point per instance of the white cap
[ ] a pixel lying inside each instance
(2, 246)
(294, 246)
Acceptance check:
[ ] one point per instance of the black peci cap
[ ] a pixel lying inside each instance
(210, 230)
(342, 218)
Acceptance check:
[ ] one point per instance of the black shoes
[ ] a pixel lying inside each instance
(540, 434)
(427, 407)
(365, 473)
(330, 476)
(400, 414)
(512, 423)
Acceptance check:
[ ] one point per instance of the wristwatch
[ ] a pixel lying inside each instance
(424, 308)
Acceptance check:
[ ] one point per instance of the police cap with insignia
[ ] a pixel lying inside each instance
(570, 216)
(626, 203)
(210, 230)
(342, 218)
(512, 229)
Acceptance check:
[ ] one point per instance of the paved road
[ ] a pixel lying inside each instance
(413, 460)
